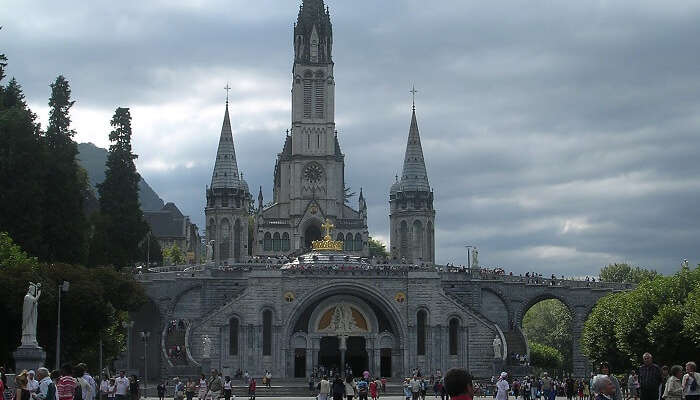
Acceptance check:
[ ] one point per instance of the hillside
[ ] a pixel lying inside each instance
(93, 159)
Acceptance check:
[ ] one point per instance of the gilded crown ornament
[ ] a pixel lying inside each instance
(327, 243)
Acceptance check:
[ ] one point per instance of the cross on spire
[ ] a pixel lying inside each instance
(413, 91)
(227, 88)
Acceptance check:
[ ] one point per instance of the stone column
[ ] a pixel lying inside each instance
(309, 360)
(377, 354)
(579, 360)
(343, 347)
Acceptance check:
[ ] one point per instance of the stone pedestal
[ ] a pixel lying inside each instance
(29, 357)
(206, 366)
(498, 366)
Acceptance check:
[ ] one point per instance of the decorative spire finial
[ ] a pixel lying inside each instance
(227, 88)
(413, 91)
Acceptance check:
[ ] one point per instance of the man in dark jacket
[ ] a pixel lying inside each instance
(649, 379)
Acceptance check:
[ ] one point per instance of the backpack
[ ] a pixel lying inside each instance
(694, 386)
(78, 393)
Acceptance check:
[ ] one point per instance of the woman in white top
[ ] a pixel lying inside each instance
(673, 390)
(202, 387)
(691, 382)
(503, 387)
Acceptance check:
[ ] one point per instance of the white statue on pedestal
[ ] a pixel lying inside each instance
(210, 251)
(497, 348)
(206, 347)
(29, 314)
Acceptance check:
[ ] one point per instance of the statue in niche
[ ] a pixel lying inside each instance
(497, 348)
(206, 346)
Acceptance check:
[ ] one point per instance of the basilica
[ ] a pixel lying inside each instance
(309, 175)
(326, 304)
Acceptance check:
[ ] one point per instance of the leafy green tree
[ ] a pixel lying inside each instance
(64, 226)
(545, 357)
(625, 273)
(21, 210)
(656, 317)
(549, 323)
(150, 250)
(377, 248)
(94, 306)
(122, 225)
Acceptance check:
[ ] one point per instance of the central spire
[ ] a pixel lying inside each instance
(414, 176)
(313, 33)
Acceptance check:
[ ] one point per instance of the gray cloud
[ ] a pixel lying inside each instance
(558, 136)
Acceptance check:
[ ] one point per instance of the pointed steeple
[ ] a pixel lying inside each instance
(260, 199)
(225, 169)
(313, 33)
(414, 176)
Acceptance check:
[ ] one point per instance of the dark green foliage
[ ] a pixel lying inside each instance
(20, 173)
(121, 229)
(545, 357)
(155, 254)
(549, 323)
(625, 273)
(64, 223)
(94, 306)
(659, 316)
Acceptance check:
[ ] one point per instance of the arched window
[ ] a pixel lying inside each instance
(431, 242)
(237, 240)
(454, 336)
(276, 242)
(268, 241)
(308, 84)
(233, 325)
(417, 240)
(285, 241)
(340, 237)
(225, 245)
(421, 320)
(267, 332)
(348, 242)
(358, 242)
(403, 235)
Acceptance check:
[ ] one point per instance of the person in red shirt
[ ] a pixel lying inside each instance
(458, 384)
(66, 383)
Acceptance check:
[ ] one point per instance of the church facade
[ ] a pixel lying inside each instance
(332, 307)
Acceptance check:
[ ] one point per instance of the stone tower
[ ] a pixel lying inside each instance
(228, 202)
(309, 177)
(411, 213)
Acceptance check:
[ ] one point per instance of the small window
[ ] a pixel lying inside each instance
(233, 336)
(267, 332)
(268, 242)
(454, 337)
(276, 242)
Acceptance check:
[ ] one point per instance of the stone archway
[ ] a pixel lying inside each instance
(376, 321)
(311, 233)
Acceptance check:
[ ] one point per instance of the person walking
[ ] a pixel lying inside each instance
(190, 389)
(178, 390)
(121, 386)
(104, 388)
(324, 388)
(338, 388)
(66, 383)
(202, 387)
(214, 386)
(502, 386)
(161, 391)
(673, 389)
(633, 386)
(134, 389)
(649, 379)
(691, 382)
(350, 388)
(47, 389)
(407, 393)
(268, 379)
(374, 389)
(21, 390)
(415, 388)
(252, 387)
(90, 381)
(112, 389)
(227, 388)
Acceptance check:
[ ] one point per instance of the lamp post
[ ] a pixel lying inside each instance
(469, 259)
(63, 287)
(128, 325)
(144, 336)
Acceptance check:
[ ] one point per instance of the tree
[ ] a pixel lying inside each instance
(94, 306)
(150, 250)
(64, 227)
(21, 192)
(174, 255)
(549, 323)
(545, 357)
(658, 316)
(122, 227)
(625, 273)
(377, 248)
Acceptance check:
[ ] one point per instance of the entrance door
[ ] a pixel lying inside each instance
(356, 355)
(385, 362)
(329, 353)
(299, 363)
(313, 232)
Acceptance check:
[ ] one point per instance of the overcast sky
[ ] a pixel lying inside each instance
(558, 135)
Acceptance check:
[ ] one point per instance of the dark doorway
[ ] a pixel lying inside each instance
(329, 353)
(385, 362)
(313, 232)
(299, 363)
(356, 355)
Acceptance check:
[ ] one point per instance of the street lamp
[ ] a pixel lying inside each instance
(469, 259)
(128, 325)
(62, 287)
(144, 336)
